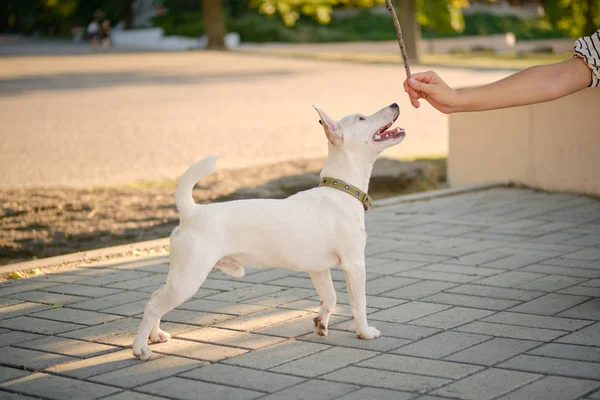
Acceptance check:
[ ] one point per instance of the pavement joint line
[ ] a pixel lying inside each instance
(220, 383)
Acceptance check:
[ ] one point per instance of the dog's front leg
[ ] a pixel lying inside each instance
(324, 285)
(356, 281)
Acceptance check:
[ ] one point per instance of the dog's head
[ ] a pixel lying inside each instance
(358, 132)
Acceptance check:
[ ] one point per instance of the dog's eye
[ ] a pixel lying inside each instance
(361, 118)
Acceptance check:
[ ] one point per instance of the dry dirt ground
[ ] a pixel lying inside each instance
(46, 222)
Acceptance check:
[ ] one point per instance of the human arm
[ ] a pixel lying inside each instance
(533, 85)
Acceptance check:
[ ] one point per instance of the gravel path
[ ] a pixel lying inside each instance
(81, 120)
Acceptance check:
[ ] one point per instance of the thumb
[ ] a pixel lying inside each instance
(416, 84)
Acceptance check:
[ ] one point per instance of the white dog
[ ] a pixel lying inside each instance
(311, 231)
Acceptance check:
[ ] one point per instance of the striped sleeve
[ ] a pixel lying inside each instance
(588, 49)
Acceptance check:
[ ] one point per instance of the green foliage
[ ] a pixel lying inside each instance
(569, 16)
(185, 23)
(441, 17)
(488, 24)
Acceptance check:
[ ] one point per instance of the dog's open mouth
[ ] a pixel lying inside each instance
(383, 134)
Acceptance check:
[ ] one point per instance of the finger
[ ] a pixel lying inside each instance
(414, 93)
(415, 103)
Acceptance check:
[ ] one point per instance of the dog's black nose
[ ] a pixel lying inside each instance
(394, 105)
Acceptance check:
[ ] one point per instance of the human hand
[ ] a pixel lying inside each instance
(429, 86)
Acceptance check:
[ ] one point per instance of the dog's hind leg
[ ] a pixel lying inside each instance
(185, 277)
(324, 285)
(157, 335)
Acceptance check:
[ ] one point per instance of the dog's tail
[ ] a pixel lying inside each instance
(183, 196)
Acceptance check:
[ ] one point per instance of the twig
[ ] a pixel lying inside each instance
(390, 8)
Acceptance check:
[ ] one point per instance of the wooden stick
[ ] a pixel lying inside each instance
(390, 8)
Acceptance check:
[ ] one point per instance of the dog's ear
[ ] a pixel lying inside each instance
(331, 128)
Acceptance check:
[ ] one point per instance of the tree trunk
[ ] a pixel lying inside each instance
(411, 31)
(128, 14)
(589, 26)
(214, 24)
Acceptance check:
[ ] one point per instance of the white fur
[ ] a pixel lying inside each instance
(311, 231)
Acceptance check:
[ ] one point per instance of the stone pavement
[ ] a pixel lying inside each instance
(486, 295)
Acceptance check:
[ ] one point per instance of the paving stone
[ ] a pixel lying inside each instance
(223, 285)
(8, 374)
(452, 318)
(226, 337)
(438, 276)
(386, 379)
(141, 373)
(379, 394)
(198, 350)
(114, 277)
(57, 387)
(386, 284)
(38, 325)
(21, 309)
(314, 306)
(267, 275)
(581, 290)
(261, 319)
(81, 317)
(32, 360)
(8, 288)
(420, 289)
(509, 279)
(246, 378)
(38, 296)
(245, 293)
(221, 307)
(323, 362)
(493, 351)
(407, 312)
(511, 331)
(150, 280)
(537, 321)
(589, 254)
(69, 347)
(516, 261)
(471, 301)
(441, 345)
(554, 366)
(588, 336)
(283, 297)
(372, 301)
(393, 267)
(390, 329)
(566, 271)
(549, 304)
(297, 327)
(313, 389)
(551, 283)
(82, 290)
(495, 292)
(5, 301)
(110, 301)
(487, 384)
(9, 338)
(276, 355)
(587, 310)
(586, 240)
(553, 388)
(462, 269)
(479, 258)
(568, 351)
(427, 258)
(187, 389)
(14, 396)
(195, 317)
(129, 309)
(128, 395)
(97, 365)
(420, 366)
(572, 263)
(349, 339)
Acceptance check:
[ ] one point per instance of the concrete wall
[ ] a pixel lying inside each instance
(552, 146)
(155, 39)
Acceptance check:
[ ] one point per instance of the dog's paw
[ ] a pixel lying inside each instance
(370, 333)
(160, 337)
(320, 328)
(143, 353)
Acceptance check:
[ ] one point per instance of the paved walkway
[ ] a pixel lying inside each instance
(486, 295)
(105, 119)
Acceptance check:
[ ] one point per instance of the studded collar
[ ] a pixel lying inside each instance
(361, 196)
